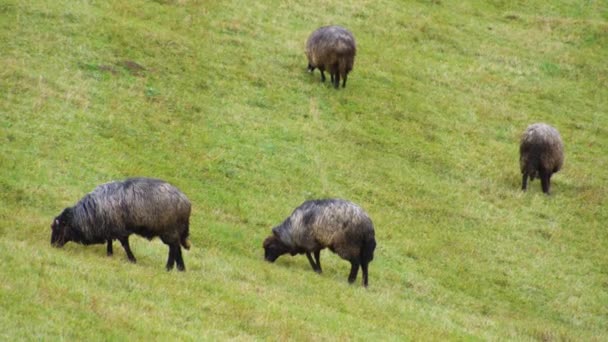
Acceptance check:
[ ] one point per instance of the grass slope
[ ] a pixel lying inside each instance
(424, 137)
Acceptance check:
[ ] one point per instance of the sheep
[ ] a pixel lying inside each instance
(332, 48)
(541, 153)
(335, 223)
(113, 211)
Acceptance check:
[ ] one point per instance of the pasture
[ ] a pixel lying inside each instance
(214, 97)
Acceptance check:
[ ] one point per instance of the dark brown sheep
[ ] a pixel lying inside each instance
(113, 211)
(331, 48)
(340, 225)
(541, 154)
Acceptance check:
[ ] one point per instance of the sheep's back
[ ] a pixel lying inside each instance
(541, 145)
(336, 224)
(327, 44)
(149, 203)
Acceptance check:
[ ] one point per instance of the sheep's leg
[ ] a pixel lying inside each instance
(344, 81)
(335, 73)
(353, 271)
(364, 271)
(545, 181)
(524, 181)
(125, 244)
(310, 68)
(171, 259)
(178, 258)
(331, 74)
(318, 259)
(322, 70)
(109, 250)
(315, 267)
(312, 262)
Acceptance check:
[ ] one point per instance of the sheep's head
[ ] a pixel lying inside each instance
(274, 248)
(60, 228)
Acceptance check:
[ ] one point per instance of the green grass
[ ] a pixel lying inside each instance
(424, 137)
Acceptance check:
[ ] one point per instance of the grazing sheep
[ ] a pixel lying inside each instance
(332, 48)
(113, 211)
(541, 153)
(338, 224)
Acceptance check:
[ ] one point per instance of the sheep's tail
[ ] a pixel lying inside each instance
(367, 255)
(367, 250)
(184, 238)
(185, 243)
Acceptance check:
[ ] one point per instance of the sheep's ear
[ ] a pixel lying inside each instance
(275, 231)
(55, 223)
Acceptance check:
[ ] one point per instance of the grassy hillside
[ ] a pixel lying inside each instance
(214, 97)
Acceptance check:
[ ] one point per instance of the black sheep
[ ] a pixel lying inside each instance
(113, 211)
(541, 153)
(331, 48)
(340, 225)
